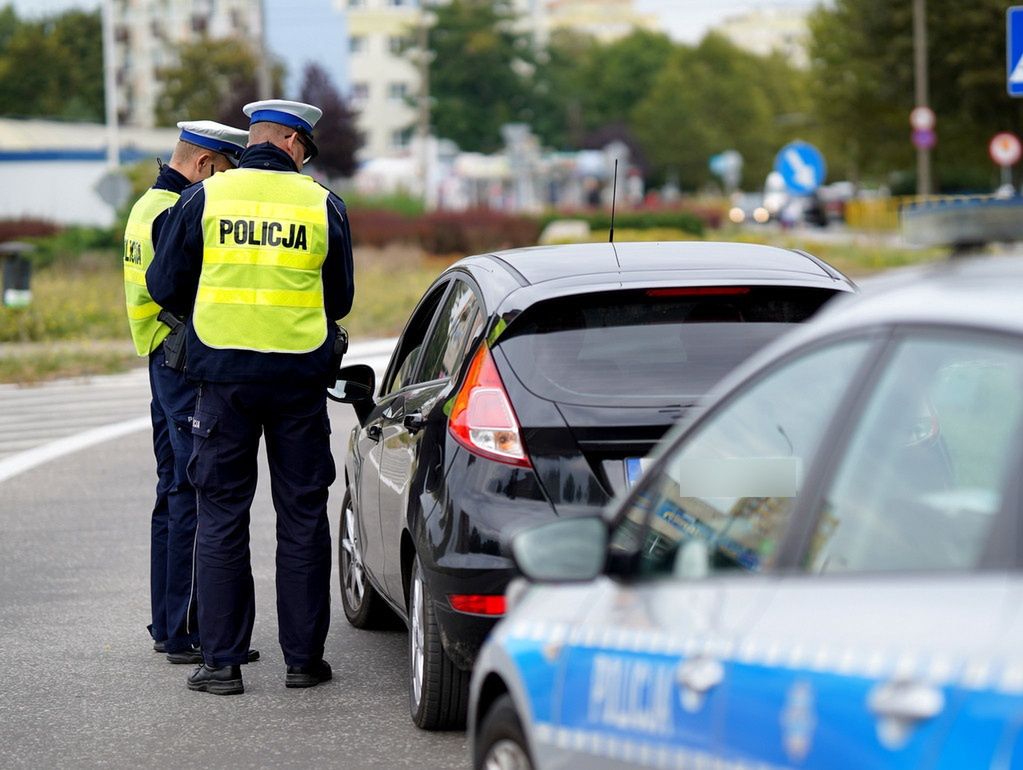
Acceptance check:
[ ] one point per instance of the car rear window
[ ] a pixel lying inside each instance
(648, 346)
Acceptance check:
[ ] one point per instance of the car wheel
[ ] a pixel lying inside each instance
(363, 606)
(438, 689)
(502, 741)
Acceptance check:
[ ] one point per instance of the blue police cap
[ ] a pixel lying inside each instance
(292, 114)
(228, 141)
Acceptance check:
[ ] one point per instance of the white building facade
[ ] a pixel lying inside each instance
(146, 33)
(769, 30)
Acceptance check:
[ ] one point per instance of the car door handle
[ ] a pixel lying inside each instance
(374, 432)
(905, 701)
(700, 675)
(414, 422)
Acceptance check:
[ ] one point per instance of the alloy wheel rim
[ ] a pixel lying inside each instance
(416, 639)
(351, 567)
(506, 755)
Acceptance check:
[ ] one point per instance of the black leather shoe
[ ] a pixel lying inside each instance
(308, 676)
(226, 680)
(194, 655)
(159, 647)
(190, 655)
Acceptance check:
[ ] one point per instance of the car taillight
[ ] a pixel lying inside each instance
(477, 604)
(482, 419)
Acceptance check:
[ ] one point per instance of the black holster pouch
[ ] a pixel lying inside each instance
(174, 343)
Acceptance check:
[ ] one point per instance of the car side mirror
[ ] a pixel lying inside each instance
(563, 551)
(355, 385)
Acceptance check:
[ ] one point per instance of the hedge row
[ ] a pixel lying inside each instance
(473, 232)
(690, 220)
(445, 232)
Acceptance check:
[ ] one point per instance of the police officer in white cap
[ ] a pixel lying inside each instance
(260, 260)
(203, 148)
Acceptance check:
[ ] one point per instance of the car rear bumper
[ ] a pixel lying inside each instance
(463, 634)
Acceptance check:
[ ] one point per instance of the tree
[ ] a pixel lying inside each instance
(336, 135)
(713, 98)
(52, 67)
(212, 79)
(479, 69)
(862, 86)
(582, 85)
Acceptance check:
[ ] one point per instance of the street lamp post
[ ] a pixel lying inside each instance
(263, 70)
(110, 86)
(426, 20)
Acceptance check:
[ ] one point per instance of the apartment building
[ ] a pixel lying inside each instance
(605, 20)
(768, 30)
(384, 70)
(146, 32)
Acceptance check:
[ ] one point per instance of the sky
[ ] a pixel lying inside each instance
(684, 20)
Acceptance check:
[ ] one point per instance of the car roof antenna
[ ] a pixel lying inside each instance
(614, 195)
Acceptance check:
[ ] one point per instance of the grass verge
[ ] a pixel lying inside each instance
(79, 305)
(56, 362)
(75, 301)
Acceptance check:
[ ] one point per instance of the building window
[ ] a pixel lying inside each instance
(397, 44)
(357, 43)
(397, 92)
(360, 93)
(356, 3)
(401, 138)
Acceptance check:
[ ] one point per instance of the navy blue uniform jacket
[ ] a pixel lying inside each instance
(167, 179)
(173, 280)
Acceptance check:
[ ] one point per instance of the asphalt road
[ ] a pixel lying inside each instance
(81, 686)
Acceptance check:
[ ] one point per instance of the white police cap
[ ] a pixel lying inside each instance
(292, 114)
(228, 141)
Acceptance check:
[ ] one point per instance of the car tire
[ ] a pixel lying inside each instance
(362, 605)
(438, 689)
(502, 741)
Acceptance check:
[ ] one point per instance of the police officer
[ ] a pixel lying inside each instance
(260, 260)
(203, 148)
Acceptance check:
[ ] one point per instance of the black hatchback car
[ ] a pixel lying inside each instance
(527, 385)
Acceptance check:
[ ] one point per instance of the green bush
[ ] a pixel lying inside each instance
(397, 203)
(72, 242)
(677, 219)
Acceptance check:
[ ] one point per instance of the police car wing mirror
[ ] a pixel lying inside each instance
(563, 551)
(355, 385)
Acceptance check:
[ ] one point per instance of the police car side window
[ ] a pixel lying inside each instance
(455, 322)
(921, 483)
(724, 496)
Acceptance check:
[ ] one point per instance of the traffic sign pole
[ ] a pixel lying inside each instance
(923, 152)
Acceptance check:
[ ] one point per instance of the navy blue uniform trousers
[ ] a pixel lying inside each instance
(229, 419)
(174, 515)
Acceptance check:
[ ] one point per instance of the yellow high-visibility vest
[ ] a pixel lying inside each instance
(264, 241)
(146, 331)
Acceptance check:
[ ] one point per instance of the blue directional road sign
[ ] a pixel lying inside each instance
(1014, 50)
(802, 167)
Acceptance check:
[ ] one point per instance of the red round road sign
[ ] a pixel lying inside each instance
(1005, 149)
(922, 119)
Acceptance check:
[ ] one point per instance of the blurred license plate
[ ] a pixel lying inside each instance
(634, 467)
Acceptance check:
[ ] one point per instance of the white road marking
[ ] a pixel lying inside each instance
(28, 414)
(24, 461)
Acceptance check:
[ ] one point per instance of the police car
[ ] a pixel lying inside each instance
(821, 570)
